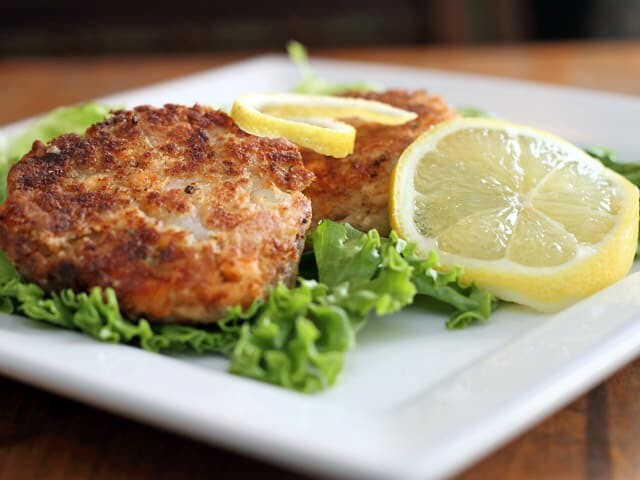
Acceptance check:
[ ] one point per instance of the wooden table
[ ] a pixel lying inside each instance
(45, 436)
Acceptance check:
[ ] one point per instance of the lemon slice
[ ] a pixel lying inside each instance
(529, 216)
(310, 120)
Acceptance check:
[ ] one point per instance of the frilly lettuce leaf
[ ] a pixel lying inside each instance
(469, 303)
(629, 170)
(298, 338)
(472, 112)
(295, 337)
(313, 84)
(345, 253)
(294, 340)
(98, 315)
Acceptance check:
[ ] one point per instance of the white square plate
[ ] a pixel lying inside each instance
(414, 400)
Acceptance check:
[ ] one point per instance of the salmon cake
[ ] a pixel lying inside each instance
(175, 208)
(355, 189)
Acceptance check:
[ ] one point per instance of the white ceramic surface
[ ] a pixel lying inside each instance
(415, 400)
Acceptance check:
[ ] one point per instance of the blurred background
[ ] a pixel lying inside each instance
(80, 27)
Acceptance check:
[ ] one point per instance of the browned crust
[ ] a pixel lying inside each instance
(176, 208)
(355, 189)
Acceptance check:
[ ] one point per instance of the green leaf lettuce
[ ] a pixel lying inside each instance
(298, 337)
(629, 170)
(313, 84)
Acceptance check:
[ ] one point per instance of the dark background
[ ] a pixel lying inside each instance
(89, 27)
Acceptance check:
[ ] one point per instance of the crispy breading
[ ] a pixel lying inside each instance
(355, 189)
(176, 208)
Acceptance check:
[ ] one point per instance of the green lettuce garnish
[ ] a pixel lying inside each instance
(473, 112)
(629, 170)
(98, 315)
(313, 84)
(390, 268)
(74, 119)
(295, 337)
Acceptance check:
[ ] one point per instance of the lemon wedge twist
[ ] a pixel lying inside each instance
(310, 120)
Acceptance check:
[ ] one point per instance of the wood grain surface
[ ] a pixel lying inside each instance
(45, 436)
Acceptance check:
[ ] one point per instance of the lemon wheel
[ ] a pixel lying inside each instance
(528, 216)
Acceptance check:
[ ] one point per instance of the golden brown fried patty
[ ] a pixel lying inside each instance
(176, 208)
(355, 189)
